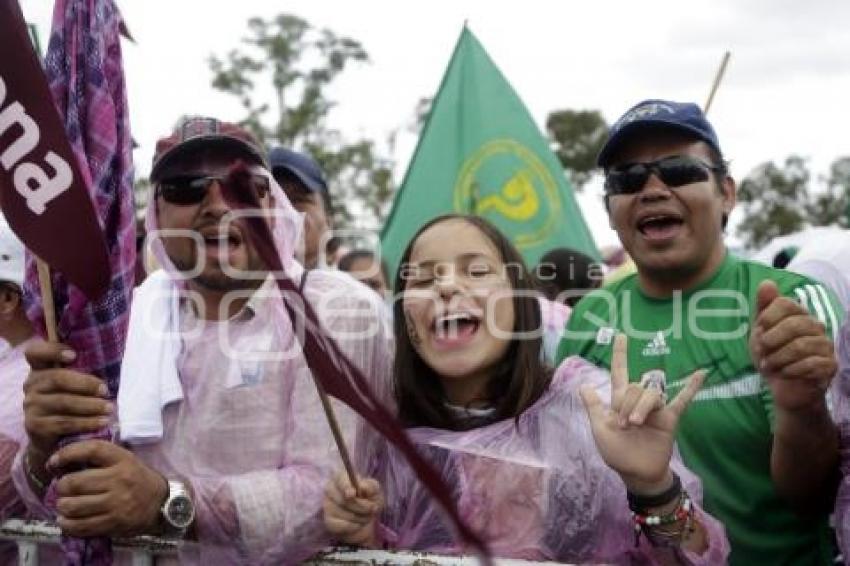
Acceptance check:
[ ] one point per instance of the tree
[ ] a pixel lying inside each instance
(780, 200)
(295, 63)
(773, 199)
(578, 135)
(831, 206)
(420, 114)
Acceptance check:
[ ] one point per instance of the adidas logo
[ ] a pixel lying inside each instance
(657, 346)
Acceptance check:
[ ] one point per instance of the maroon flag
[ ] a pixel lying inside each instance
(42, 186)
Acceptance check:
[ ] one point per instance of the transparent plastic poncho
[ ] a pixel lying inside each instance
(258, 455)
(534, 489)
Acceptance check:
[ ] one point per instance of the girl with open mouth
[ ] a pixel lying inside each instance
(535, 474)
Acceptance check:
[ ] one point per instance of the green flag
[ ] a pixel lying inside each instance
(481, 152)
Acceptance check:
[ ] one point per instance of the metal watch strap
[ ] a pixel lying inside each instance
(169, 529)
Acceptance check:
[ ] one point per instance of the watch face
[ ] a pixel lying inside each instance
(180, 512)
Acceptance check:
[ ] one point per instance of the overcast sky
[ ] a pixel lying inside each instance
(786, 89)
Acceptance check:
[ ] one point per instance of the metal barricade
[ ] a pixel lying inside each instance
(31, 535)
(144, 551)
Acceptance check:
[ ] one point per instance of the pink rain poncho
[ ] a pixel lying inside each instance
(13, 372)
(250, 434)
(537, 490)
(554, 317)
(839, 396)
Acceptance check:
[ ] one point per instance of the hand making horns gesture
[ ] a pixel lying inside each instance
(635, 434)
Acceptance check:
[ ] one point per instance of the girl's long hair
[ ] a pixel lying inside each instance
(519, 380)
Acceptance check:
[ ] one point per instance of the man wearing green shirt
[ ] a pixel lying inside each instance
(759, 432)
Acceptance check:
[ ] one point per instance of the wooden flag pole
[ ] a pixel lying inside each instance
(717, 78)
(337, 433)
(47, 299)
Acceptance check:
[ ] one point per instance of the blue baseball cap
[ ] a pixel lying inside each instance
(299, 164)
(685, 117)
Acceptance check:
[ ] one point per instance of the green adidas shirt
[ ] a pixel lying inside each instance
(725, 435)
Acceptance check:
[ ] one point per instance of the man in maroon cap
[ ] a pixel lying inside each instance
(226, 442)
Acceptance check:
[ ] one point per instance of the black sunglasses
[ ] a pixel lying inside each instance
(191, 189)
(674, 171)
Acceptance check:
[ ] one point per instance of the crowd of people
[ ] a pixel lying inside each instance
(694, 411)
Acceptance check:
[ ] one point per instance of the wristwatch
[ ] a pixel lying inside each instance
(178, 511)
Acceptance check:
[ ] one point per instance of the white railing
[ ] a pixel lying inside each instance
(31, 535)
(144, 551)
(406, 558)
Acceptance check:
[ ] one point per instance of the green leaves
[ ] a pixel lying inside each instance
(280, 75)
(578, 136)
(779, 200)
(831, 207)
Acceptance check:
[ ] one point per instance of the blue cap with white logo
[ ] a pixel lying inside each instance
(685, 117)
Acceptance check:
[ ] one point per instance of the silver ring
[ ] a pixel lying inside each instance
(655, 379)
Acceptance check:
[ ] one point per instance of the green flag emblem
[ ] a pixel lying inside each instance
(480, 152)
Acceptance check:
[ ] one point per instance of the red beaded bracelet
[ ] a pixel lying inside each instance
(682, 512)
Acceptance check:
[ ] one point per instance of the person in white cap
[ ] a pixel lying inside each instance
(15, 331)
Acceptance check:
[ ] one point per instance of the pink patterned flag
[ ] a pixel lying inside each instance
(86, 78)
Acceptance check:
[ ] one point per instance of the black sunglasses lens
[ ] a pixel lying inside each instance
(184, 190)
(676, 171)
(192, 190)
(627, 179)
(680, 171)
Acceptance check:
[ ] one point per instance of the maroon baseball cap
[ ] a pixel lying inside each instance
(199, 131)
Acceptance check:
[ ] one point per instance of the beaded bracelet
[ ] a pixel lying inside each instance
(649, 524)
